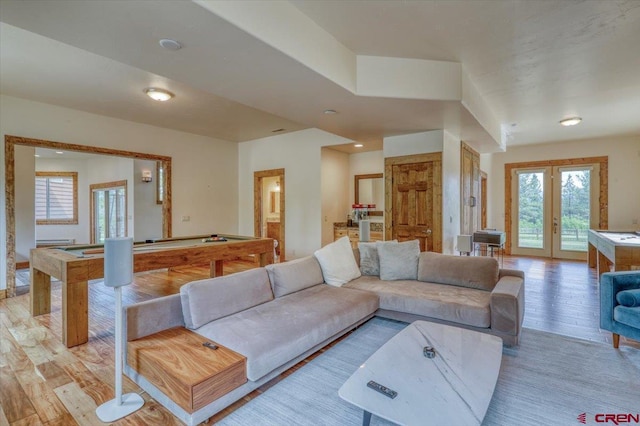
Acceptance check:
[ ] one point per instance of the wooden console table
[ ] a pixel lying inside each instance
(614, 250)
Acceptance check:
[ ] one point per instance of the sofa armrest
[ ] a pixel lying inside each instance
(511, 273)
(145, 318)
(611, 283)
(507, 303)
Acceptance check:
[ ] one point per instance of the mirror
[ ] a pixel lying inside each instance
(369, 189)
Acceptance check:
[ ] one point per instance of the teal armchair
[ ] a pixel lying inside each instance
(620, 304)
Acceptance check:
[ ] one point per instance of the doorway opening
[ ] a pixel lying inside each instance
(10, 143)
(552, 205)
(269, 208)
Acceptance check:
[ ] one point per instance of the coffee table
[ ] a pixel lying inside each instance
(452, 388)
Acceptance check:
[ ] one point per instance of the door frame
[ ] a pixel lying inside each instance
(389, 162)
(603, 161)
(92, 208)
(257, 205)
(10, 191)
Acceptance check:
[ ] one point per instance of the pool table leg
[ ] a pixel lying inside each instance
(216, 268)
(75, 313)
(40, 292)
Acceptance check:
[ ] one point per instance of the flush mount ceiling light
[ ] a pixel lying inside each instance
(571, 121)
(330, 111)
(358, 145)
(170, 44)
(59, 152)
(158, 94)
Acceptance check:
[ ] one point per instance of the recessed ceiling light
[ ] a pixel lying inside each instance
(358, 145)
(330, 111)
(571, 121)
(158, 94)
(59, 152)
(37, 155)
(170, 44)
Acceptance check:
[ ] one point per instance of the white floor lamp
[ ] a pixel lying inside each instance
(118, 272)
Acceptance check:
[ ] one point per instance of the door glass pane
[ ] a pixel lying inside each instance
(122, 213)
(531, 210)
(99, 208)
(575, 210)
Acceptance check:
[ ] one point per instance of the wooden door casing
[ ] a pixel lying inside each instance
(414, 199)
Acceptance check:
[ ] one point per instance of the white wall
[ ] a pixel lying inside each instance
(205, 170)
(624, 175)
(147, 213)
(25, 188)
(415, 143)
(79, 232)
(450, 192)
(299, 153)
(335, 192)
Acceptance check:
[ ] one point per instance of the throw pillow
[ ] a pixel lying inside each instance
(629, 298)
(369, 261)
(398, 261)
(337, 262)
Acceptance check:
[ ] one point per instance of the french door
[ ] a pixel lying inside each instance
(108, 211)
(555, 206)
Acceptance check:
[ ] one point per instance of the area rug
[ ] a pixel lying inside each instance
(548, 380)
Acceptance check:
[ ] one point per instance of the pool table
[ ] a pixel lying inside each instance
(614, 250)
(76, 265)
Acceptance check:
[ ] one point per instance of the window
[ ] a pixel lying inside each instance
(159, 182)
(56, 198)
(108, 210)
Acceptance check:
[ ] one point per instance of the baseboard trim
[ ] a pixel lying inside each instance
(22, 265)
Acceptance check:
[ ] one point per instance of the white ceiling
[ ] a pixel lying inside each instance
(533, 62)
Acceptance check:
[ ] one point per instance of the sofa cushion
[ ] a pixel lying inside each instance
(627, 315)
(398, 261)
(294, 275)
(337, 262)
(479, 272)
(207, 300)
(274, 333)
(629, 298)
(444, 302)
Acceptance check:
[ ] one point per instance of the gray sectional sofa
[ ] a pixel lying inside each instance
(280, 314)
(470, 292)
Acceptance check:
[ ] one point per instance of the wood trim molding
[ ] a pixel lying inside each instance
(604, 188)
(9, 162)
(257, 203)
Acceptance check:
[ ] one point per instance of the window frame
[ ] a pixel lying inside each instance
(74, 219)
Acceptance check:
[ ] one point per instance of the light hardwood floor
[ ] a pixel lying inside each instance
(44, 383)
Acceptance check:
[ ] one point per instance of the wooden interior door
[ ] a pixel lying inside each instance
(471, 200)
(414, 200)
